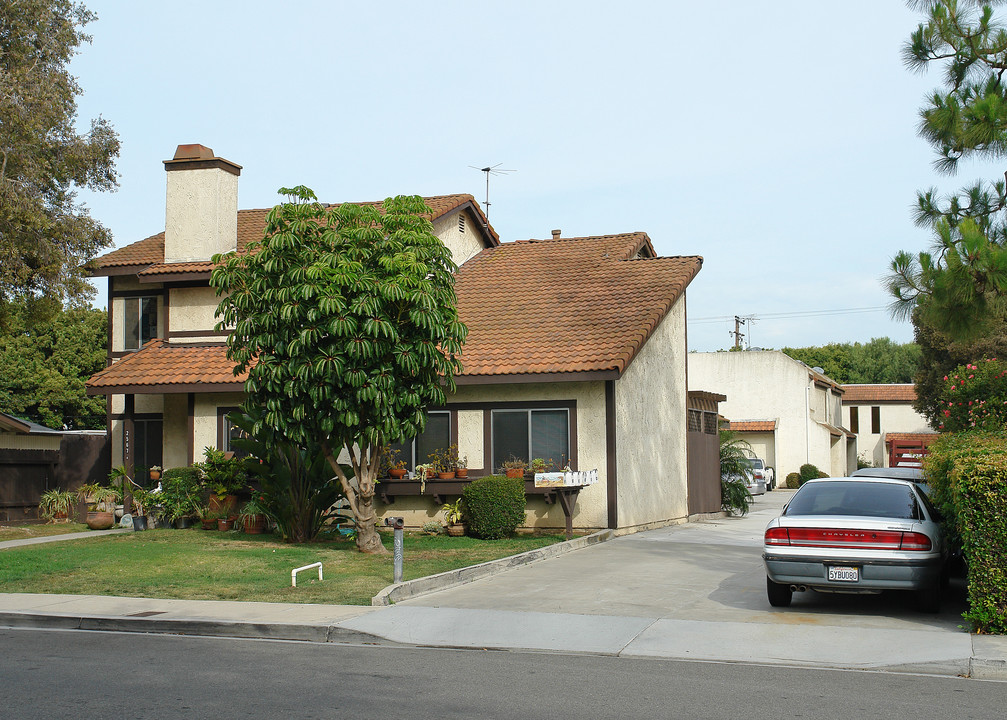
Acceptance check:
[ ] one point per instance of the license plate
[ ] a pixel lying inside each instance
(844, 574)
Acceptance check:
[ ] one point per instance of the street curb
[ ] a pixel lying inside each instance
(190, 627)
(452, 578)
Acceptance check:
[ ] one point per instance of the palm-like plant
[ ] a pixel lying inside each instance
(734, 467)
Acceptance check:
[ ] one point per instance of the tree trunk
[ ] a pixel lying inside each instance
(368, 539)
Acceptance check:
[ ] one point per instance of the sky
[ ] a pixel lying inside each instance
(777, 140)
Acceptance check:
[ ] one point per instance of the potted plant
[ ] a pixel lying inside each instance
(101, 502)
(462, 470)
(424, 472)
(56, 504)
(253, 516)
(142, 501)
(453, 518)
(513, 467)
(224, 477)
(155, 472)
(445, 461)
(391, 466)
(207, 517)
(539, 465)
(180, 494)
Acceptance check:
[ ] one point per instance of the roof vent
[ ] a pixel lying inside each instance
(556, 234)
(820, 371)
(193, 152)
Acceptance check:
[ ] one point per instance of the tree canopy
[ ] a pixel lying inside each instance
(45, 361)
(877, 361)
(46, 233)
(345, 320)
(959, 286)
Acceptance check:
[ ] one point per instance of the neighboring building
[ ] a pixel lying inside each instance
(885, 422)
(576, 350)
(790, 413)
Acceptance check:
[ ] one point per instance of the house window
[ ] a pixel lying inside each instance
(710, 423)
(855, 419)
(695, 420)
(147, 447)
(228, 432)
(876, 420)
(139, 321)
(436, 436)
(529, 434)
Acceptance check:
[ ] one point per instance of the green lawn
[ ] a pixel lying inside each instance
(203, 565)
(34, 530)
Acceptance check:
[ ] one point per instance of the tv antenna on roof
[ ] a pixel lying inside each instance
(490, 170)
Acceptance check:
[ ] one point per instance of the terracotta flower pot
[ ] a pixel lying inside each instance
(456, 529)
(100, 520)
(462, 472)
(225, 524)
(515, 472)
(446, 476)
(397, 473)
(209, 523)
(255, 525)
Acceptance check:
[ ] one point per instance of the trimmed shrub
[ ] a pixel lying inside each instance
(494, 506)
(809, 472)
(967, 473)
(793, 480)
(974, 396)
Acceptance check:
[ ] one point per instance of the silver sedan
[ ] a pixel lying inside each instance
(860, 535)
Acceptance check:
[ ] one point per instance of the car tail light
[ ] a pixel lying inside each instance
(848, 538)
(916, 541)
(777, 536)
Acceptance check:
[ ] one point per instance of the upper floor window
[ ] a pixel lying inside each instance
(876, 420)
(854, 419)
(139, 321)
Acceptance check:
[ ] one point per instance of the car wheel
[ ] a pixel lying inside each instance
(779, 595)
(928, 600)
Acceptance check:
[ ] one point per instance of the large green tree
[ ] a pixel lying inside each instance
(877, 361)
(45, 359)
(959, 287)
(46, 233)
(345, 320)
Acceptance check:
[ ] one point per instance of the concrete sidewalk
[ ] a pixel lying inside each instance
(676, 607)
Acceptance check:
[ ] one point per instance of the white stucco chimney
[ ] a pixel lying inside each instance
(201, 207)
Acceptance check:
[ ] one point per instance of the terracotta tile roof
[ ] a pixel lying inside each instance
(922, 437)
(532, 307)
(752, 426)
(565, 305)
(160, 363)
(903, 392)
(251, 225)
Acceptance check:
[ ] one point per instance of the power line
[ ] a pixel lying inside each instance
(787, 315)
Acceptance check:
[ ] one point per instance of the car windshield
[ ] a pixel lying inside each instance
(865, 499)
(756, 463)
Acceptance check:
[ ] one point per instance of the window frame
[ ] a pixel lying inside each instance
(570, 411)
(127, 336)
(876, 420)
(854, 419)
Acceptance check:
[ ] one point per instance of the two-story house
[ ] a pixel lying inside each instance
(576, 350)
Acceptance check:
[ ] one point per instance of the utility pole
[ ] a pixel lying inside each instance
(738, 322)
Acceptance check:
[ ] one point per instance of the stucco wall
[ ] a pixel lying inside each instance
(650, 405)
(763, 446)
(769, 385)
(193, 309)
(201, 214)
(463, 244)
(895, 417)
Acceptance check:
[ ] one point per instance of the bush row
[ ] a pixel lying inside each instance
(967, 473)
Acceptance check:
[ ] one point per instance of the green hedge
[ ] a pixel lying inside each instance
(967, 473)
(793, 481)
(494, 506)
(810, 472)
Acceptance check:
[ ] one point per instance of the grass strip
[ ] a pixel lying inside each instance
(209, 565)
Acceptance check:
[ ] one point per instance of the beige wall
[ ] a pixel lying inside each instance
(18, 441)
(769, 385)
(650, 403)
(763, 444)
(201, 214)
(193, 309)
(463, 243)
(896, 417)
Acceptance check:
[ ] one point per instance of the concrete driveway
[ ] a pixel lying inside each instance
(708, 571)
